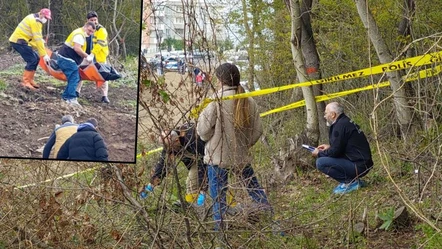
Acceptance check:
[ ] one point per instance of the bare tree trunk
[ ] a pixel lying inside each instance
(117, 36)
(405, 38)
(312, 63)
(123, 43)
(251, 39)
(404, 28)
(403, 113)
(312, 128)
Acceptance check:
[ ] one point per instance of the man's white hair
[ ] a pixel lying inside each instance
(167, 137)
(336, 107)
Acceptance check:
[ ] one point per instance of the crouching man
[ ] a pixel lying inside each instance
(348, 156)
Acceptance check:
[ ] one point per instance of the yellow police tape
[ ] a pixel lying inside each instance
(84, 171)
(411, 77)
(58, 178)
(149, 152)
(383, 68)
(415, 61)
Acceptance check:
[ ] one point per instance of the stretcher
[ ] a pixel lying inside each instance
(88, 72)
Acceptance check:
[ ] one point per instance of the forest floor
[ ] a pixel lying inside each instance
(310, 215)
(29, 117)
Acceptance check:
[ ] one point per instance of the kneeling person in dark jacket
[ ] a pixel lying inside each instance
(87, 144)
(183, 144)
(348, 156)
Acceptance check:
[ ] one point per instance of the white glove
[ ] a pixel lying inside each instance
(90, 58)
(46, 58)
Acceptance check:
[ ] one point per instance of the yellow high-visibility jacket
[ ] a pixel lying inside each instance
(100, 47)
(67, 50)
(70, 42)
(29, 29)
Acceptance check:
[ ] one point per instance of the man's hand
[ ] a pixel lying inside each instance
(46, 58)
(315, 152)
(323, 147)
(320, 148)
(90, 58)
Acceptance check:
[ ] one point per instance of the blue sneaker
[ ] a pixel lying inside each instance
(347, 188)
(341, 187)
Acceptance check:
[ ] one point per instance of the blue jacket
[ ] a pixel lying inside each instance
(85, 145)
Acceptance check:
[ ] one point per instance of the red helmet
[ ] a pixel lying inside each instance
(46, 13)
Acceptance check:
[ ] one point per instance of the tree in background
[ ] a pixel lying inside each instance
(169, 43)
(312, 125)
(403, 111)
(121, 18)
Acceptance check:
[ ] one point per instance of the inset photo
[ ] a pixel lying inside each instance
(69, 80)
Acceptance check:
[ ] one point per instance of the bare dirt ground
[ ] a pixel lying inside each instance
(27, 118)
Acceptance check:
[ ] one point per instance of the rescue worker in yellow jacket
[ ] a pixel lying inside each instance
(26, 38)
(70, 56)
(97, 45)
(61, 133)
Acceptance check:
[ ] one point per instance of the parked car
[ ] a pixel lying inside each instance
(171, 59)
(172, 66)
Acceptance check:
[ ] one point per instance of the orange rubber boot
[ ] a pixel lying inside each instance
(26, 82)
(31, 79)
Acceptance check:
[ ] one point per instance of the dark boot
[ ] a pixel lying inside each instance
(105, 99)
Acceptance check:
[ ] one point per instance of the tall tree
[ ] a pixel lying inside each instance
(312, 61)
(312, 128)
(250, 32)
(404, 28)
(403, 113)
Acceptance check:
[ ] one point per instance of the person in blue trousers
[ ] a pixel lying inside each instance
(230, 128)
(70, 56)
(348, 156)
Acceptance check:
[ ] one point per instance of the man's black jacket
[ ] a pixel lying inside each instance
(190, 144)
(348, 141)
(86, 145)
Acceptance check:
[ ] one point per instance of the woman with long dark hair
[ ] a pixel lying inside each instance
(230, 128)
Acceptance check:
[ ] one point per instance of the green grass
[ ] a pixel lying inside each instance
(3, 85)
(16, 69)
(130, 74)
(129, 103)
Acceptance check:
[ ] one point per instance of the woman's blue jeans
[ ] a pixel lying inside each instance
(218, 189)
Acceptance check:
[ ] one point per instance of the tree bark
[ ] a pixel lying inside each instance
(405, 38)
(251, 39)
(312, 128)
(312, 63)
(403, 113)
(404, 28)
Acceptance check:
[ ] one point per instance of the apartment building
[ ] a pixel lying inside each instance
(167, 19)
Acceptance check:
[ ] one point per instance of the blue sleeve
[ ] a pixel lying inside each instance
(48, 146)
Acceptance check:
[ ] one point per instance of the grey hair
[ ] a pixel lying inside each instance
(171, 136)
(336, 107)
(67, 118)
